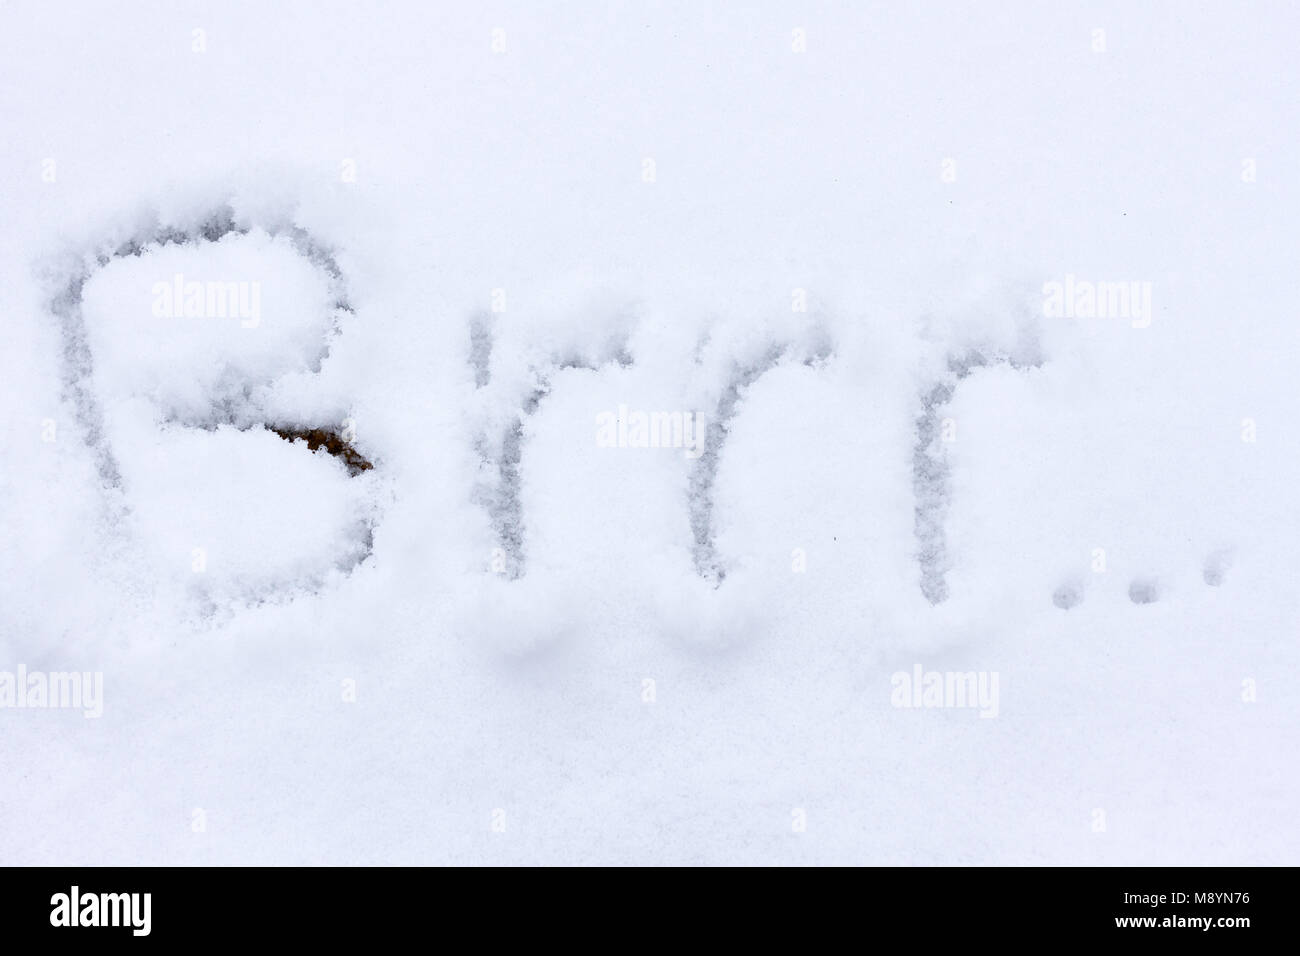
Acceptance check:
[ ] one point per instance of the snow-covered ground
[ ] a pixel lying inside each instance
(848, 252)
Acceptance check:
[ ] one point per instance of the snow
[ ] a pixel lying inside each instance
(273, 322)
(507, 644)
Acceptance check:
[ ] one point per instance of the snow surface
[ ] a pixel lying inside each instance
(505, 643)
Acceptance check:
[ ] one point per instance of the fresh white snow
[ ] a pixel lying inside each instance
(457, 237)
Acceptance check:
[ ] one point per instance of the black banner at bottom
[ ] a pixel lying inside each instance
(937, 905)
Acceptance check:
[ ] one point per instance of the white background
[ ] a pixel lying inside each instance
(775, 170)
